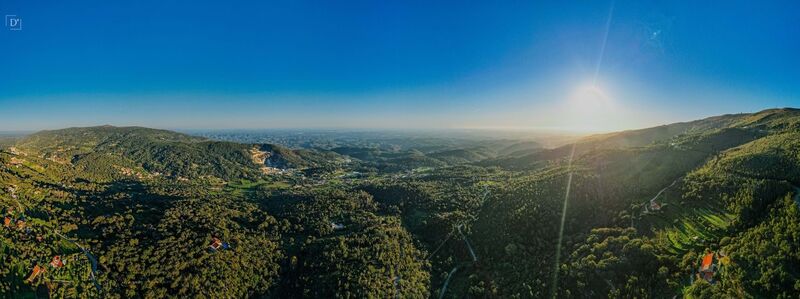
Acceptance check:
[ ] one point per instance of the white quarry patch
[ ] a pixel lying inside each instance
(261, 158)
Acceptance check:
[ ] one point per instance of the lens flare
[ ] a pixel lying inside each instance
(554, 284)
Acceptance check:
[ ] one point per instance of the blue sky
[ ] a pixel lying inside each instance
(394, 64)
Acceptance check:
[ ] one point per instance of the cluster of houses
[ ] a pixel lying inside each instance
(12, 220)
(55, 263)
(16, 220)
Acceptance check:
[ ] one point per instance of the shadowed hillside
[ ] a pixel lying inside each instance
(137, 212)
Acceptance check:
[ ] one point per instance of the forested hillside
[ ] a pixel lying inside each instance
(722, 185)
(108, 152)
(129, 212)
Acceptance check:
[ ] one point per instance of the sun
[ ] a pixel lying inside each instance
(591, 96)
(589, 99)
(590, 108)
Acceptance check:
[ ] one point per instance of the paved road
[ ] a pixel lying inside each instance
(469, 246)
(440, 245)
(447, 281)
(89, 256)
(471, 252)
(661, 192)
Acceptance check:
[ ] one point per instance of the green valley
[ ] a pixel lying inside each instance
(132, 212)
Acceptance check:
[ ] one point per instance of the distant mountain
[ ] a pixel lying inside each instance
(148, 152)
(632, 214)
(520, 147)
(772, 119)
(457, 156)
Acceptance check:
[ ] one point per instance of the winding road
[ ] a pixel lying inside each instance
(471, 252)
(440, 245)
(13, 191)
(89, 256)
(469, 246)
(661, 192)
(447, 281)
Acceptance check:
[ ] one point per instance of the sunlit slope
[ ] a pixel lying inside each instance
(753, 123)
(111, 153)
(755, 183)
(727, 184)
(731, 176)
(730, 191)
(151, 237)
(137, 240)
(444, 155)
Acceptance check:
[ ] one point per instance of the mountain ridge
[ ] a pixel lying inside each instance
(643, 208)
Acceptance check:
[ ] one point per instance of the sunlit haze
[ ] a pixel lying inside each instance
(597, 66)
(400, 149)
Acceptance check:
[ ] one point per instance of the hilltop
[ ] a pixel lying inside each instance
(164, 214)
(108, 150)
(724, 126)
(645, 204)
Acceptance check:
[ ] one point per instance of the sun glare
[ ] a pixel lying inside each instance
(590, 108)
(589, 97)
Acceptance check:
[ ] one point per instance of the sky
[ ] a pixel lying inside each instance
(520, 65)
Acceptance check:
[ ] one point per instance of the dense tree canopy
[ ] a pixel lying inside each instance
(705, 209)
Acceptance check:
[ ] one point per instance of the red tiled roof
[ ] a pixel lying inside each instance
(56, 263)
(708, 259)
(36, 271)
(215, 243)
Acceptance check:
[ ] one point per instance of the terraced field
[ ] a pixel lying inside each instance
(696, 229)
(685, 225)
